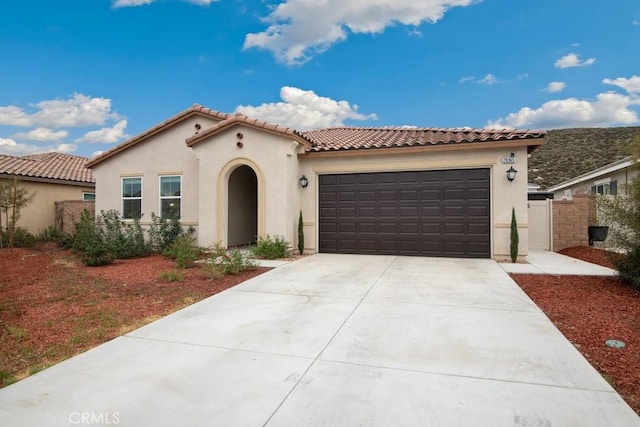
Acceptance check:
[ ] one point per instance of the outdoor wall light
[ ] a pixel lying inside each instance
(304, 181)
(511, 174)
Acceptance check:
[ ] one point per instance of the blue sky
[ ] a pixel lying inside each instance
(80, 76)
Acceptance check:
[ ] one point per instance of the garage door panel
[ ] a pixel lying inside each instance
(432, 213)
(366, 196)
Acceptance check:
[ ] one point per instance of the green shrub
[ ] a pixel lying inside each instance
(300, 234)
(184, 251)
(172, 276)
(223, 262)
(88, 243)
(96, 254)
(124, 239)
(271, 247)
(21, 238)
(60, 238)
(515, 240)
(629, 267)
(163, 232)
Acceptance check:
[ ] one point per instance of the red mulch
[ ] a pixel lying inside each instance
(590, 310)
(591, 254)
(52, 306)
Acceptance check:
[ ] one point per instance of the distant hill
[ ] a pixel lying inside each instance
(568, 153)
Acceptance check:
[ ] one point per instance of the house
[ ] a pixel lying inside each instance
(409, 191)
(51, 177)
(610, 179)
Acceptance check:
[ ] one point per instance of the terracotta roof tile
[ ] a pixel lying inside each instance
(239, 118)
(354, 138)
(59, 166)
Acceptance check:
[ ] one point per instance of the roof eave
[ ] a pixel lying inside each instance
(453, 146)
(195, 110)
(604, 170)
(251, 123)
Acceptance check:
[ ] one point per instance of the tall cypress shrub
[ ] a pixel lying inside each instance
(300, 234)
(515, 240)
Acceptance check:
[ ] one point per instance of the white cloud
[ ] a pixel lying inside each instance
(106, 135)
(304, 110)
(11, 147)
(608, 109)
(573, 60)
(299, 29)
(130, 3)
(42, 134)
(78, 110)
(631, 85)
(134, 3)
(554, 87)
(66, 148)
(466, 79)
(489, 79)
(7, 142)
(636, 22)
(14, 116)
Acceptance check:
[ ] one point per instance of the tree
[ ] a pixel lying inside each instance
(622, 212)
(13, 198)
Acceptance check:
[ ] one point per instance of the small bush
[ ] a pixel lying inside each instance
(629, 267)
(223, 262)
(163, 232)
(21, 238)
(184, 251)
(271, 247)
(124, 240)
(172, 276)
(52, 234)
(96, 254)
(93, 251)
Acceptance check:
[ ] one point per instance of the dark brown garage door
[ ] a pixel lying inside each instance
(429, 213)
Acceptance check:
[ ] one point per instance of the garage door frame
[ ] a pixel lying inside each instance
(485, 234)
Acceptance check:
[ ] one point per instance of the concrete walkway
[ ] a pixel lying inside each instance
(545, 262)
(335, 340)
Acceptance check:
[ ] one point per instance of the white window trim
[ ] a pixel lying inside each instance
(122, 198)
(84, 193)
(160, 197)
(602, 181)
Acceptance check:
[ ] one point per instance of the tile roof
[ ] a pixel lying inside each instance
(194, 109)
(58, 166)
(333, 139)
(239, 118)
(355, 138)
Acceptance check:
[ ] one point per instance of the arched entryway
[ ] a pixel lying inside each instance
(242, 207)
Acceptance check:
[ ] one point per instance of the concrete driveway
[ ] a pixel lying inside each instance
(335, 340)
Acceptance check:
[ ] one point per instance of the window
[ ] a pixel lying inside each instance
(131, 198)
(170, 196)
(88, 196)
(605, 188)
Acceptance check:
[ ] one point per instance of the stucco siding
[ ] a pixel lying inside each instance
(273, 159)
(163, 154)
(41, 212)
(504, 194)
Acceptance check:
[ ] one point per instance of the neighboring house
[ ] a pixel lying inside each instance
(51, 177)
(409, 191)
(610, 179)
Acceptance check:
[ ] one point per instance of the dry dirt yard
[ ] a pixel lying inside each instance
(52, 307)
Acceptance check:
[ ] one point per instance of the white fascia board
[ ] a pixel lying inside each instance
(605, 170)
